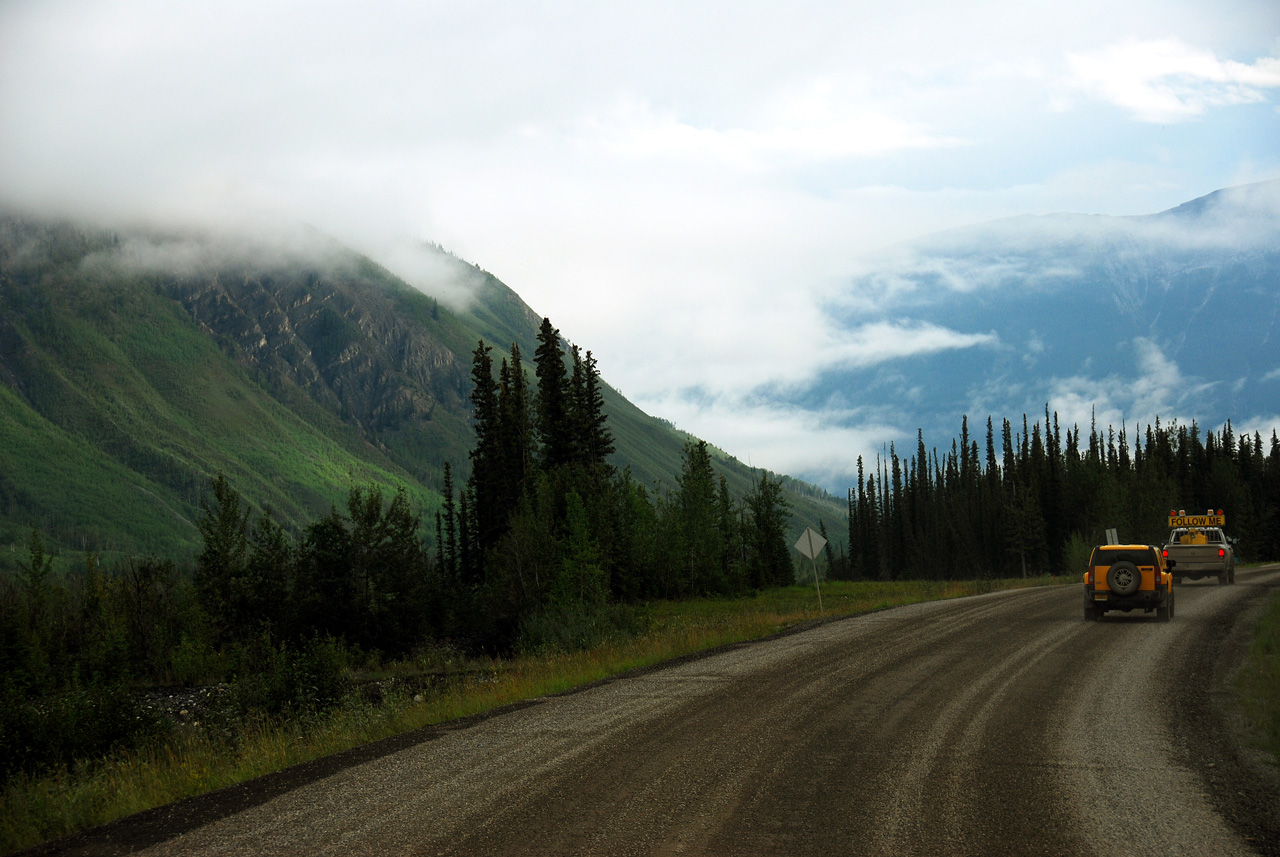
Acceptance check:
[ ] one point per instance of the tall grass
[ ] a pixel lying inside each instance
(1259, 682)
(191, 761)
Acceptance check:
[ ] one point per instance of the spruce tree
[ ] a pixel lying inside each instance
(552, 400)
(598, 440)
(517, 428)
(449, 548)
(486, 471)
(223, 559)
(698, 523)
(769, 555)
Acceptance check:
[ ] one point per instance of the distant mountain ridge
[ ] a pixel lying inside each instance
(134, 366)
(1175, 315)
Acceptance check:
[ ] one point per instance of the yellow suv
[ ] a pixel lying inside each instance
(1128, 577)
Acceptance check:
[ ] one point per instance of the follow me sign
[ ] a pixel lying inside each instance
(1197, 520)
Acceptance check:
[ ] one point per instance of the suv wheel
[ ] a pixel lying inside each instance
(1123, 578)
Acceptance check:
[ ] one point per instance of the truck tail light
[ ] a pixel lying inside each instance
(1221, 552)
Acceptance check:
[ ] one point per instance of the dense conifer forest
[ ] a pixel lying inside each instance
(1037, 499)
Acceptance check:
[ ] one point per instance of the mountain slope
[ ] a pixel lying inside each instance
(134, 367)
(1175, 315)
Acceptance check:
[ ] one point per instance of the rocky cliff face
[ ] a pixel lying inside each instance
(334, 334)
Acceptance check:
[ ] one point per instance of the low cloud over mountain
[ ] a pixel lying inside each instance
(1174, 315)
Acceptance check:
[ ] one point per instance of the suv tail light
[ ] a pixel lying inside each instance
(1089, 579)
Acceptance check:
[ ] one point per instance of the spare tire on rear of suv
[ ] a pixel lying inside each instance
(1123, 578)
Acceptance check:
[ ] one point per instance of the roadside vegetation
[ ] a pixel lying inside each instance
(1259, 682)
(332, 701)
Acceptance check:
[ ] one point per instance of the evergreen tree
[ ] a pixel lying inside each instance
(486, 483)
(222, 561)
(581, 579)
(469, 568)
(34, 580)
(517, 427)
(324, 589)
(828, 551)
(264, 600)
(384, 562)
(596, 441)
(552, 402)
(768, 554)
(701, 542)
(634, 569)
(732, 572)
(449, 529)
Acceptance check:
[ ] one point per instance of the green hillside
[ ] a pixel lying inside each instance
(125, 385)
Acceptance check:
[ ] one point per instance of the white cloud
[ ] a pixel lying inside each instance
(812, 128)
(1166, 80)
(820, 446)
(879, 342)
(1156, 389)
(432, 271)
(1263, 426)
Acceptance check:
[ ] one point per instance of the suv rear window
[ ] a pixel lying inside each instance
(1111, 556)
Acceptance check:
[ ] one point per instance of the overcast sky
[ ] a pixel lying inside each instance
(679, 186)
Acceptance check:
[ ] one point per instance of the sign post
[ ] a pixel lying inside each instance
(809, 545)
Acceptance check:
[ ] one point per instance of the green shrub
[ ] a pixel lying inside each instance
(81, 723)
(194, 662)
(1075, 554)
(571, 627)
(283, 680)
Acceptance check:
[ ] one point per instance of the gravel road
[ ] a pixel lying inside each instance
(998, 724)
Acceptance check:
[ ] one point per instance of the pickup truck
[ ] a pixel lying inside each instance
(1200, 548)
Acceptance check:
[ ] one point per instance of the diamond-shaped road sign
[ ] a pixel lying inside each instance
(810, 543)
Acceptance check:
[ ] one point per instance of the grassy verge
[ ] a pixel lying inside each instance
(1259, 681)
(190, 761)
